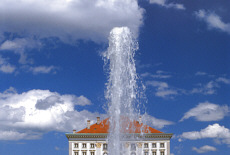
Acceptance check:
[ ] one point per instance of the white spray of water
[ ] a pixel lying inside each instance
(121, 86)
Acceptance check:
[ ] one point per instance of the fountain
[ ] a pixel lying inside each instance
(121, 87)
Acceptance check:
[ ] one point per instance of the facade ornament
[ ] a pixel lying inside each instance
(98, 145)
(139, 145)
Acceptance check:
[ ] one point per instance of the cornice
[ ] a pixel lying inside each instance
(125, 136)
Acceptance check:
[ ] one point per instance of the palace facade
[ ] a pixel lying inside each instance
(143, 140)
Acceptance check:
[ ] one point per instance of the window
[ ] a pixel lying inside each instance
(162, 145)
(146, 145)
(105, 153)
(83, 153)
(92, 145)
(104, 146)
(76, 145)
(146, 153)
(76, 153)
(154, 145)
(154, 153)
(162, 153)
(133, 153)
(133, 147)
(92, 153)
(84, 145)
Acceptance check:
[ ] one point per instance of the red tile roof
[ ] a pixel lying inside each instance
(133, 127)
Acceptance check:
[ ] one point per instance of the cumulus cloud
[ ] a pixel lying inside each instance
(5, 66)
(204, 149)
(155, 122)
(215, 131)
(162, 89)
(213, 20)
(31, 114)
(165, 4)
(207, 111)
(69, 20)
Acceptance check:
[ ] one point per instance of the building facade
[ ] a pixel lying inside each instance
(144, 140)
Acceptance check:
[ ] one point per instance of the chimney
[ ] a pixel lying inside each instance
(88, 124)
(98, 120)
(74, 131)
(140, 120)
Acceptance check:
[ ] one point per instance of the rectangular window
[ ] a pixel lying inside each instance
(133, 147)
(146, 153)
(83, 153)
(146, 145)
(76, 153)
(91, 145)
(76, 145)
(162, 145)
(104, 146)
(154, 145)
(154, 153)
(162, 153)
(92, 153)
(84, 145)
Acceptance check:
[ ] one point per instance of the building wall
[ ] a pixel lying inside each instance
(162, 147)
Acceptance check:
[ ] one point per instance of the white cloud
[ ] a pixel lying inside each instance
(207, 111)
(204, 149)
(200, 73)
(56, 148)
(14, 135)
(223, 80)
(207, 89)
(31, 114)
(159, 75)
(164, 3)
(42, 69)
(213, 20)
(82, 100)
(19, 46)
(162, 89)
(69, 20)
(214, 131)
(155, 122)
(5, 66)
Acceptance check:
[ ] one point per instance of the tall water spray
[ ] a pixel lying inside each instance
(121, 87)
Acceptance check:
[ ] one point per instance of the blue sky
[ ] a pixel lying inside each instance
(52, 77)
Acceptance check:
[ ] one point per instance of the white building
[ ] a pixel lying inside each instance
(93, 140)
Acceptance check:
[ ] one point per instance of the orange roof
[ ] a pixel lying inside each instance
(133, 127)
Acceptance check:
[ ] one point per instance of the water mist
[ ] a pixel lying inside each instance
(121, 87)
